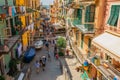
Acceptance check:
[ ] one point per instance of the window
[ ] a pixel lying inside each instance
(89, 43)
(16, 20)
(82, 40)
(77, 35)
(7, 31)
(113, 19)
(90, 13)
(79, 15)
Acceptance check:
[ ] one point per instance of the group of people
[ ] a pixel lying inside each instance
(40, 64)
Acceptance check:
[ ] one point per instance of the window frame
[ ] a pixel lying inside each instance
(112, 16)
(89, 12)
(7, 34)
(82, 40)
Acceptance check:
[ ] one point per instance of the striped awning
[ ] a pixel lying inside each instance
(109, 44)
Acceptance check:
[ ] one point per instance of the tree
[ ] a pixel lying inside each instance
(61, 43)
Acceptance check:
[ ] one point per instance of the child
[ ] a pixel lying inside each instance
(37, 65)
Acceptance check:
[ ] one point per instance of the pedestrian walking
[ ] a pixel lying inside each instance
(49, 57)
(57, 56)
(47, 45)
(55, 48)
(55, 52)
(37, 65)
(43, 62)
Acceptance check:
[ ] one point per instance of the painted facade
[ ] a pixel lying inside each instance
(11, 24)
(110, 59)
(101, 61)
(54, 10)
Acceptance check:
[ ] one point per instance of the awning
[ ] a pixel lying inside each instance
(109, 44)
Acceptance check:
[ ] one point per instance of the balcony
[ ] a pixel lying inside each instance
(87, 1)
(86, 28)
(29, 10)
(76, 21)
(10, 42)
(103, 66)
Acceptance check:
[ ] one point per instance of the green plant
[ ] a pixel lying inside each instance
(2, 78)
(61, 54)
(13, 67)
(61, 42)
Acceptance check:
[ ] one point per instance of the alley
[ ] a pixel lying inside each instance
(52, 69)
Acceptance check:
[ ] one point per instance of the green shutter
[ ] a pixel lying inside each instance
(82, 40)
(10, 2)
(110, 19)
(79, 15)
(7, 59)
(114, 20)
(2, 2)
(88, 13)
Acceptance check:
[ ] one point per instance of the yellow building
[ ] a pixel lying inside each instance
(29, 19)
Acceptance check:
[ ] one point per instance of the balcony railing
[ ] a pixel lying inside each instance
(77, 52)
(109, 71)
(10, 42)
(86, 28)
(76, 21)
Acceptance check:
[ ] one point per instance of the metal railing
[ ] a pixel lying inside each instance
(77, 52)
(64, 71)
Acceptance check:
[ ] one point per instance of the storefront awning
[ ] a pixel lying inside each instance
(109, 44)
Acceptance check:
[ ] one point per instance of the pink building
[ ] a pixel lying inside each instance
(106, 46)
(112, 18)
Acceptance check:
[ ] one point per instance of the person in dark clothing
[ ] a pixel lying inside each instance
(47, 44)
(55, 48)
(49, 57)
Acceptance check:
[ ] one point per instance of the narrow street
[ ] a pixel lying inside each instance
(52, 69)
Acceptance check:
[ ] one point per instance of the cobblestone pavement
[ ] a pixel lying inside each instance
(52, 69)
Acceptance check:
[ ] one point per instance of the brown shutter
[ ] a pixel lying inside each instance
(7, 32)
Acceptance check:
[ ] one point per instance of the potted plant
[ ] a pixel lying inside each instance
(61, 43)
